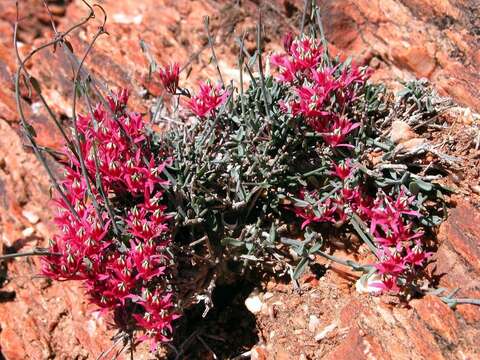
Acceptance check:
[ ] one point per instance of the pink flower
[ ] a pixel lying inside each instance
(118, 100)
(392, 264)
(286, 68)
(416, 256)
(310, 103)
(387, 213)
(208, 100)
(86, 248)
(338, 132)
(317, 212)
(169, 76)
(303, 55)
(306, 52)
(388, 284)
(342, 170)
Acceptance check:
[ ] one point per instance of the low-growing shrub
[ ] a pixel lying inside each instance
(260, 177)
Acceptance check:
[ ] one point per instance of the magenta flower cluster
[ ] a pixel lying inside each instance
(321, 94)
(208, 99)
(116, 238)
(169, 76)
(400, 247)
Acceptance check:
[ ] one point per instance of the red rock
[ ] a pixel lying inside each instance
(462, 231)
(438, 317)
(358, 347)
(259, 353)
(401, 39)
(433, 39)
(417, 59)
(471, 313)
(421, 341)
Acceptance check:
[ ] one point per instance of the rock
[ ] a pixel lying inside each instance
(401, 39)
(475, 189)
(267, 295)
(433, 39)
(120, 18)
(313, 323)
(325, 332)
(27, 232)
(259, 353)
(32, 217)
(254, 304)
(439, 317)
(401, 132)
(462, 233)
(412, 146)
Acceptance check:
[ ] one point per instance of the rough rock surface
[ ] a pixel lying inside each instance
(352, 326)
(438, 40)
(400, 39)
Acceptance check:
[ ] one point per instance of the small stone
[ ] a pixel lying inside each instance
(401, 132)
(272, 312)
(475, 189)
(324, 333)
(27, 232)
(31, 217)
(467, 117)
(267, 295)
(439, 317)
(258, 353)
(412, 145)
(313, 323)
(125, 19)
(57, 10)
(253, 304)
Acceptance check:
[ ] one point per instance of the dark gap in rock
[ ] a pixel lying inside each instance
(228, 330)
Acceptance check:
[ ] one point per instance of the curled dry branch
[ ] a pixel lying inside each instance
(59, 41)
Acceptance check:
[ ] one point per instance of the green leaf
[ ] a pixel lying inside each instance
(315, 248)
(300, 268)
(425, 186)
(232, 242)
(419, 185)
(272, 234)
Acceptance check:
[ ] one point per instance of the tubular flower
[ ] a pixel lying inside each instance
(208, 99)
(389, 220)
(115, 262)
(169, 76)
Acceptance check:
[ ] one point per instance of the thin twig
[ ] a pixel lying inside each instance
(212, 48)
(34, 252)
(77, 136)
(26, 126)
(260, 65)
(322, 34)
(106, 352)
(354, 265)
(240, 67)
(52, 22)
(304, 16)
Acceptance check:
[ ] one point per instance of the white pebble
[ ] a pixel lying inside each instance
(254, 304)
(30, 216)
